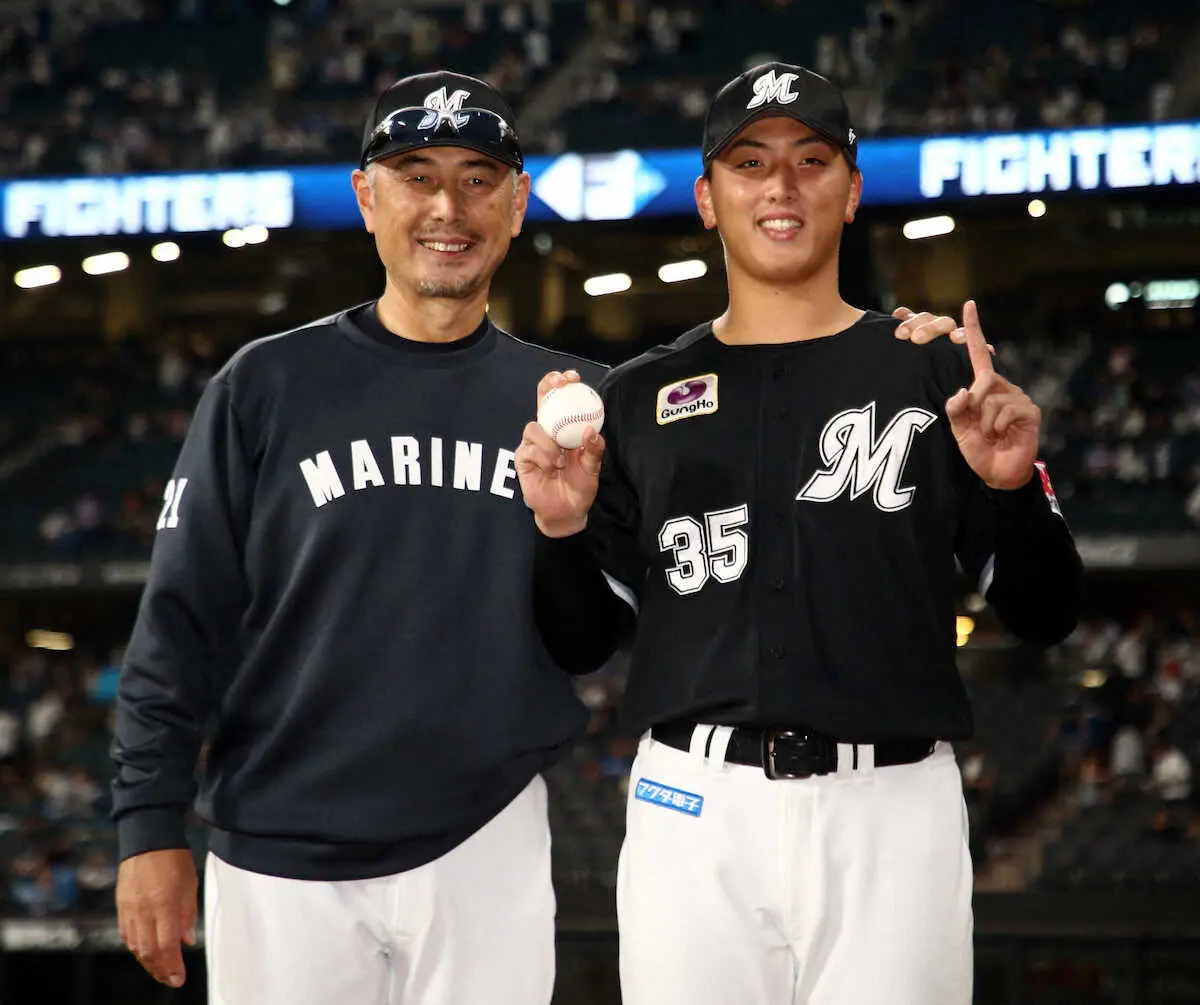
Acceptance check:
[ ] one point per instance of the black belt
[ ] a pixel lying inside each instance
(792, 753)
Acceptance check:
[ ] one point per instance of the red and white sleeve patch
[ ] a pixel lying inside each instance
(1047, 488)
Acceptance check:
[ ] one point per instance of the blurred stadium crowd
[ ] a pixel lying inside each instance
(112, 86)
(1106, 727)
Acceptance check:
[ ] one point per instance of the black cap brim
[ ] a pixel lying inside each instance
(392, 149)
(462, 106)
(777, 111)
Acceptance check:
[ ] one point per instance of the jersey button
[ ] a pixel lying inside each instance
(777, 584)
(779, 370)
(775, 652)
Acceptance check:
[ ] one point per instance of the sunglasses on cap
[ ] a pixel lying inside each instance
(478, 129)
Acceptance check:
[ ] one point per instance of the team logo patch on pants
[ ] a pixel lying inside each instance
(673, 799)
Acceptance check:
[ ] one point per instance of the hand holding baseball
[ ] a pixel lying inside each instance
(995, 423)
(559, 483)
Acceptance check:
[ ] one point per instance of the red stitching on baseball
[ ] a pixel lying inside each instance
(566, 420)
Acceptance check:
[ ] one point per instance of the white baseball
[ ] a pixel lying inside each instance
(566, 411)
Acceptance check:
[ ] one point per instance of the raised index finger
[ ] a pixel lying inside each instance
(977, 346)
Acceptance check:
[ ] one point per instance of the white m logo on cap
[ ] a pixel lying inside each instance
(444, 109)
(768, 87)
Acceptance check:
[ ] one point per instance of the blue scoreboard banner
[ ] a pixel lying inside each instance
(610, 186)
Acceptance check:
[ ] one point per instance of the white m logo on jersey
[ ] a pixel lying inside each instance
(768, 87)
(855, 459)
(444, 109)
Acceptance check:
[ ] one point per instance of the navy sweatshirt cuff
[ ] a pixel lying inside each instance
(151, 829)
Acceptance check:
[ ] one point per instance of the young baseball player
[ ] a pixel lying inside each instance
(339, 602)
(782, 499)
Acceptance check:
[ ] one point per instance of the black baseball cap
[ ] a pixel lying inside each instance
(779, 89)
(441, 109)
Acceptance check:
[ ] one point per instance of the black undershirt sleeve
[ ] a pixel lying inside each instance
(581, 620)
(583, 614)
(1018, 541)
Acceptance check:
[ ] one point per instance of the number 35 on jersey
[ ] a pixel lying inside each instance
(714, 546)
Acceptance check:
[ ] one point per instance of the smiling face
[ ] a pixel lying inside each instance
(442, 217)
(779, 194)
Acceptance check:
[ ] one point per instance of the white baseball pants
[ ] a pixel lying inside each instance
(844, 889)
(474, 927)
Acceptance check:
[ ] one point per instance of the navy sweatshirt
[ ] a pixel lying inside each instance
(339, 602)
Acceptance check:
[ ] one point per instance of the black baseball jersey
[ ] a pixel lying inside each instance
(339, 599)
(786, 518)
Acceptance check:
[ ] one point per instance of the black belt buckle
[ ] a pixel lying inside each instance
(799, 755)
